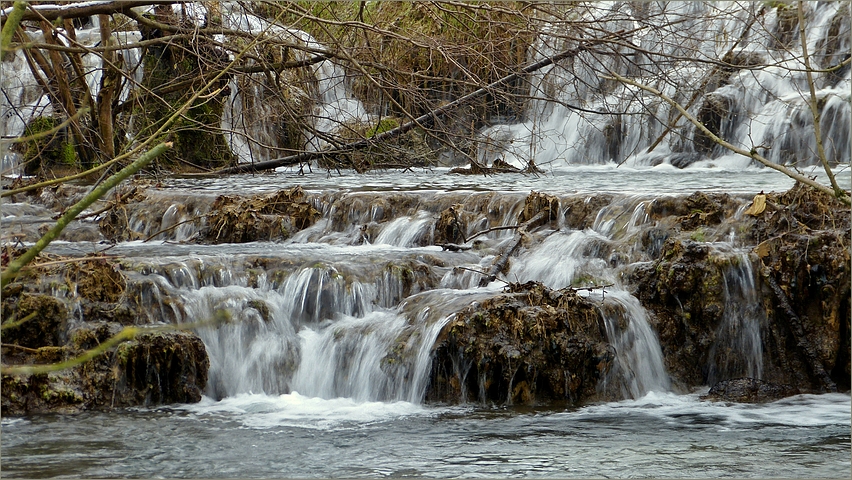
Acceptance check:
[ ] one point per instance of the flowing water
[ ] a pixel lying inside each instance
(252, 435)
(323, 367)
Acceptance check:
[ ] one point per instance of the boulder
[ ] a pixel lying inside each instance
(528, 345)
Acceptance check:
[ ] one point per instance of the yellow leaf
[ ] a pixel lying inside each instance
(758, 205)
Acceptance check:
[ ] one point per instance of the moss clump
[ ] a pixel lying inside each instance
(262, 217)
(47, 151)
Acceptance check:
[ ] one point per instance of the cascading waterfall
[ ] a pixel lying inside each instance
(24, 98)
(314, 333)
(760, 108)
(584, 259)
(738, 348)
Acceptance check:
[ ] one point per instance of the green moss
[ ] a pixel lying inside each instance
(698, 235)
(48, 149)
(384, 125)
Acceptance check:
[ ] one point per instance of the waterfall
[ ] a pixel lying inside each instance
(582, 259)
(639, 366)
(738, 348)
(340, 328)
(255, 116)
(764, 108)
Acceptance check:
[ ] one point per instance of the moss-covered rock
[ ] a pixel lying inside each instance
(528, 345)
(50, 150)
(259, 218)
(41, 329)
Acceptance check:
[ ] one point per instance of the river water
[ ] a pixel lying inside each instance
(297, 387)
(316, 424)
(252, 435)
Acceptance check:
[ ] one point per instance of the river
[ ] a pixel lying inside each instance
(260, 436)
(326, 372)
(329, 429)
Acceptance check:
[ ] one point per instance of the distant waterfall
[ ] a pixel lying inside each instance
(254, 119)
(254, 115)
(764, 107)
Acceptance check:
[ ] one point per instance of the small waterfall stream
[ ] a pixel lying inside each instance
(738, 349)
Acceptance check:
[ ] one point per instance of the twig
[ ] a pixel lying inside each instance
(173, 227)
(14, 323)
(19, 347)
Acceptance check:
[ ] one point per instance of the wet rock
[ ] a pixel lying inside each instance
(259, 218)
(580, 212)
(802, 280)
(40, 320)
(537, 202)
(749, 390)
(449, 228)
(713, 113)
(528, 345)
(683, 291)
(153, 368)
(160, 368)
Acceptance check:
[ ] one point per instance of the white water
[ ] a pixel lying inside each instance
(768, 111)
(738, 350)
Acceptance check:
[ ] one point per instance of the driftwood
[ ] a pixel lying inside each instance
(503, 259)
(797, 327)
(422, 121)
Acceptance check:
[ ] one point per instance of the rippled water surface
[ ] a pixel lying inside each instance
(250, 435)
(610, 178)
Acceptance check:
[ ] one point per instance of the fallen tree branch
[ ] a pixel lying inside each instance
(81, 9)
(126, 334)
(15, 323)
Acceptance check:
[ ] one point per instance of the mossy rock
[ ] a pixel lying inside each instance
(269, 217)
(161, 368)
(528, 345)
(46, 328)
(51, 151)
